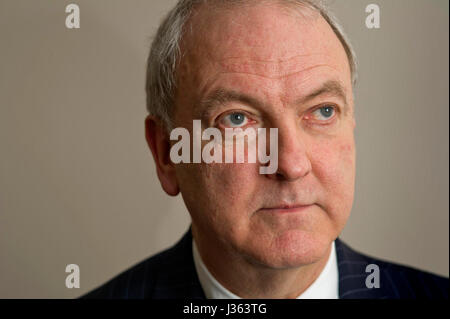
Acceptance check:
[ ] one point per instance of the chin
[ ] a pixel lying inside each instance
(292, 249)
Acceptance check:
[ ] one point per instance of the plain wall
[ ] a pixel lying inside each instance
(78, 183)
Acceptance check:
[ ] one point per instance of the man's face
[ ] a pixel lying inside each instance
(287, 71)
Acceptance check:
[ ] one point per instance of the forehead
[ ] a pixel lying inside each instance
(275, 37)
(292, 45)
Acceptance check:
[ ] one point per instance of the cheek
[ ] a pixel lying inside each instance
(222, 191)
(223, 200)
(334, 167)
(233, 182)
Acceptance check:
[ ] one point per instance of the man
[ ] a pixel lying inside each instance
(260, 64)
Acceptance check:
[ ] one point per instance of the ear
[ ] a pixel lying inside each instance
(159, 143)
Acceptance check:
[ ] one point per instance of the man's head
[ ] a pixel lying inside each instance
(272, 64)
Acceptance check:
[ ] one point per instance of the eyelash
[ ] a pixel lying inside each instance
(246, 114)
(329, 120)
(249, 117)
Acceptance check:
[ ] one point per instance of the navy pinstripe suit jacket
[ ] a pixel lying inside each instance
(171, 274)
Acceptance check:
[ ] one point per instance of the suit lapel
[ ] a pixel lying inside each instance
(179, 279)
(352, 275)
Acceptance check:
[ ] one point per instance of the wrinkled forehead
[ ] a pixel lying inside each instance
(267, 39)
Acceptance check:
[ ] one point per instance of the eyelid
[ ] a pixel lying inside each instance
(249, 116)
(335, 107)
(322, 105)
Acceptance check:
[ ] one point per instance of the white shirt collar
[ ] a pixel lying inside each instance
(324, 287)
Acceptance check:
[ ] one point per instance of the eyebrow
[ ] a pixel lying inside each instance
(331, 87)
(222, 96)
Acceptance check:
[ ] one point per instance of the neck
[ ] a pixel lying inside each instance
(250, 280)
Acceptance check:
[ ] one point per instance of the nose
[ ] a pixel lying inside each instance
(293, 159)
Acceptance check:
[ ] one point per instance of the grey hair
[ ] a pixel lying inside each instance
(165, 53)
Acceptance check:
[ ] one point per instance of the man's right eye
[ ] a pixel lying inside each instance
(234, 120)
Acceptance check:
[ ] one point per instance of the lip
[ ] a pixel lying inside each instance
(285, 209)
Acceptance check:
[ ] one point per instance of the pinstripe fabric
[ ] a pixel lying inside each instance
(396, 281)
(168, 275)
(171, 275)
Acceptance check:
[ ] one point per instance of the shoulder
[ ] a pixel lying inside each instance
(395, 280)
(168, 274)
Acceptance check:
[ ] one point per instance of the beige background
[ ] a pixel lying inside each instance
(78, 184)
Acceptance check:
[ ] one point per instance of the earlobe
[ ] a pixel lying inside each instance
(159, 144)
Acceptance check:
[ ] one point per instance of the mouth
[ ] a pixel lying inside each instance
(286, 209)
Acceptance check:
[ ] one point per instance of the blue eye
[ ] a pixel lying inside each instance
(235, 119)
(326, 112)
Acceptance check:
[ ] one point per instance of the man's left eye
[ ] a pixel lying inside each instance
(234, 120)
(325, 112)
